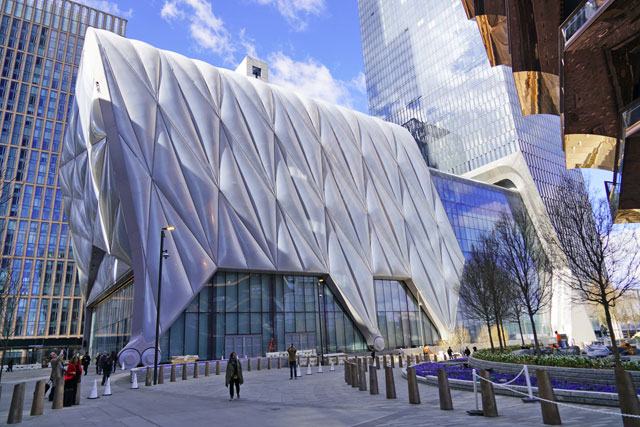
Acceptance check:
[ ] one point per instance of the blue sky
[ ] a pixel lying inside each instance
(311, 45)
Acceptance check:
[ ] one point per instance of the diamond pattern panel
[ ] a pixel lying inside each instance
(253, 177)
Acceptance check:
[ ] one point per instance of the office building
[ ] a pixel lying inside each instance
(427, 69)
(41, 44)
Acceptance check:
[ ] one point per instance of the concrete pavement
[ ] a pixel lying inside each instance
(269, 398)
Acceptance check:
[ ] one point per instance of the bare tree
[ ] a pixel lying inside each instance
(603, 259)
(10, 295)
(527, 266)
(481, 286)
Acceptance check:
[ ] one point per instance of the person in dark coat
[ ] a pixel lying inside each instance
(99, 364)
(107, 367)
(10, 366)
(233, 375)
(86, 361)
(450, 352)
(73, 372)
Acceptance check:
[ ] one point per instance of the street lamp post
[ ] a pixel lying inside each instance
(420, 317)
(320, 307)
(163, 255)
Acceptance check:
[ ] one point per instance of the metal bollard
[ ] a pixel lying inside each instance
(173, 373)
(373, 380)
(260, 364)
(248, 365)
(147, 380)
(489, 407)
(268, 363)
(550, 413)
(217, 367)
(17, 404)
(207, 369)
(412, 383)
(355, 382)
(161, 374)
(196, 368)
(58, 395)
(37, 405)
(184, 372)
(389, 383)
(400, 362)
(378, 362)
(365, 363)
(393, 361)
(362, 378)
(446, 404)
(279, 362)
(384, 360)
(627, 396)
(347, 374)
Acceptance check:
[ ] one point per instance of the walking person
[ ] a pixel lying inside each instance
(233, 375)
(98, 365)
(292, 362)
(450, 352)
(56, 373)
(107, 366)
(86, 361)
(10, 366)
(114, 358)
(467, 352)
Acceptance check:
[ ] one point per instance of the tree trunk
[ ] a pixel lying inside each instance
(533, 329)
(490, 338)
(497, 319)
(520, 328)
(612, 334)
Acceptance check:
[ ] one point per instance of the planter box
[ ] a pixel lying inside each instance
(576, 375)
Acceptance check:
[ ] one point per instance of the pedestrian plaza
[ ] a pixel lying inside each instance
(268, 398)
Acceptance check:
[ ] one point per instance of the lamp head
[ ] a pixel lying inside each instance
(169, 228)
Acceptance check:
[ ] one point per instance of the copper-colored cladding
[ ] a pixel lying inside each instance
(539, 92)
(493, 29)
(629, 195)
(595, 69)
(589, 151)
(524, 36)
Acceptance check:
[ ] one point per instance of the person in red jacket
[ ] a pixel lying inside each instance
(71, 381)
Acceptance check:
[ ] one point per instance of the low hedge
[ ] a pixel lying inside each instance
(505, 356)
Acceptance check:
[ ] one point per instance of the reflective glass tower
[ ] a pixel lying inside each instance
(40, 47)
(427, 69)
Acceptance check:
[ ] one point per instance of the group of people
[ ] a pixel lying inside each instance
(72, 375)
(105, 364)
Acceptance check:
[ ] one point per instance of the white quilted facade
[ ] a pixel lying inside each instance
(254, 178)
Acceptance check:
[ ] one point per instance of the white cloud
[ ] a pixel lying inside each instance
(297, 12)
(308, 77)
(207, 30)
(359, 83)
(247, 44)
(109, 7)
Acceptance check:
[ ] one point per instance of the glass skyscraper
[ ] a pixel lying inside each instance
(427, 69)
(40, 47)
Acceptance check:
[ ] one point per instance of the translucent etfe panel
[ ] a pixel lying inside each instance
(253, 331)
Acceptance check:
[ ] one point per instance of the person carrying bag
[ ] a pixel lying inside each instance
(233, 375)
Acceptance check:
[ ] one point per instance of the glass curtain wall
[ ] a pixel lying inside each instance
(254, 313)
(111, 321)
(398, 319)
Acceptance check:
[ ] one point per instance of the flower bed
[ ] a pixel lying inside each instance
(460, 372)
(552, 360)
